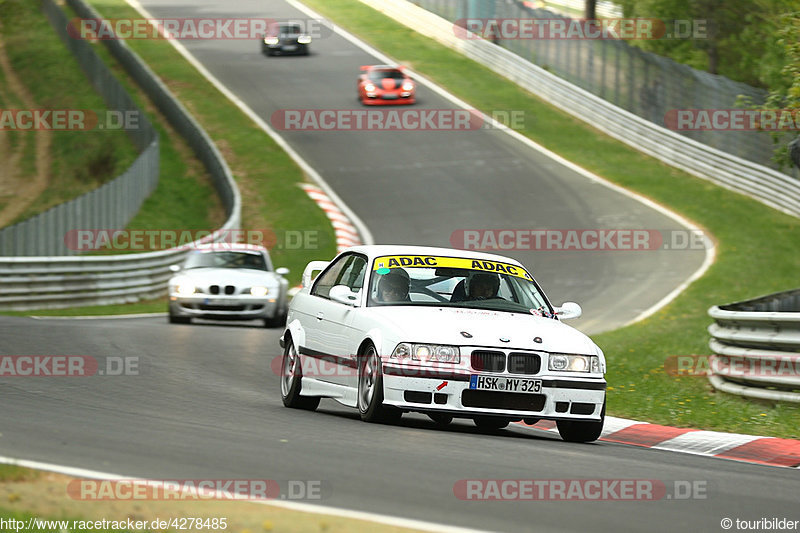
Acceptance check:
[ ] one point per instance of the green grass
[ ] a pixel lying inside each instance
(757, 250)
(81, 161)
(267, 177)
(158, 305)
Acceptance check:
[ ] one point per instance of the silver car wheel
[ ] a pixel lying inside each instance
(288, 369)
(367, 378)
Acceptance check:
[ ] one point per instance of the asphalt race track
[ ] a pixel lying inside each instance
(206, 405)
(205, 402)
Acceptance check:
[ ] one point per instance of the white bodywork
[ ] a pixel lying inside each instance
(330, 333)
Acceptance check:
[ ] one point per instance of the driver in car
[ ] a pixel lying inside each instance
(483, 286)
(393, 286)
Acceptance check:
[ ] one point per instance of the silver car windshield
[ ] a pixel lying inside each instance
(225, 259)
(468, 283)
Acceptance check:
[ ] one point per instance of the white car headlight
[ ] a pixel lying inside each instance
(185, 288)
(304, 39)
(271, 40)
(369, 87)
(429, 353)
(408, 86)
(259, 290)
(563, 362)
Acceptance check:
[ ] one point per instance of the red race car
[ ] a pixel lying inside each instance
(385, 84)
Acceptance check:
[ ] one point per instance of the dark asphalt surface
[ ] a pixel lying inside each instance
(205, 405)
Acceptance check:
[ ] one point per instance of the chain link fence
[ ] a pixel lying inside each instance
(114, 204)
(640, 82)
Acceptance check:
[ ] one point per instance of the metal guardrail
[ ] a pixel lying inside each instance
(766, 185)
(113, 204)
(58, 282)
(756, 346)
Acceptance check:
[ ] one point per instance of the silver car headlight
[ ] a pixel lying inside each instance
(429, 353)
(563, 362)
(259, 290)
(185, 288)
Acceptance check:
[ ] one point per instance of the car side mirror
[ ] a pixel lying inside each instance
(281, 271)
(175, 268)
(343, 295)
(568, 310)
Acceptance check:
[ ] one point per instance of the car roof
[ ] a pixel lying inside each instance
(379, 250)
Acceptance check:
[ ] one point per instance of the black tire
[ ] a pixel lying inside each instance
(490, 422)
(179, 319)
(370, 389)
(276, 321)
(291, 381)
(580, 431)
(441, 419)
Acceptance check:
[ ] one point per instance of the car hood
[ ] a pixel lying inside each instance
(487, 328)
(209, 276)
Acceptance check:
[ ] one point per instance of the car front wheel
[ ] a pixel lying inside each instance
(291, 381)
(370, 389)
(582, 431)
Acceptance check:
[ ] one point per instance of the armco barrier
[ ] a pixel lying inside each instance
(116, 202)
(756, 345)
(764, 184)
(57, 282)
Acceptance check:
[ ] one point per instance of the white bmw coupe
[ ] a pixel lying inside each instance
(449, 333)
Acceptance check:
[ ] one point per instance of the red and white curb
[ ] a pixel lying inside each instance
(747, 448)
(346, 233)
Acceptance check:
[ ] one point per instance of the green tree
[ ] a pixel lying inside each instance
(737, 39)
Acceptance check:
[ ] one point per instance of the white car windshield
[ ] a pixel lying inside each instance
(455, 282)
(225, 259)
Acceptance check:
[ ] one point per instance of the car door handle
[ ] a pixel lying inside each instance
(319, 316)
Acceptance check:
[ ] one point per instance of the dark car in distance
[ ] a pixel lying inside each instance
(285, 38)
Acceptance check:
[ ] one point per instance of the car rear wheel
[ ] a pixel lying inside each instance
(291, 381)
(490, 422)
(370, 389)
(582, 431)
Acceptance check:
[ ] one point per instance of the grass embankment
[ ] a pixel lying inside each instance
(26, 494)
(44, 75)
(757, 251)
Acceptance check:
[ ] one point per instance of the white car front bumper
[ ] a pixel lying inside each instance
(560, 398)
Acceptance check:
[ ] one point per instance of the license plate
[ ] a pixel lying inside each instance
(504, 384)
(289, 47)
(389, 97)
